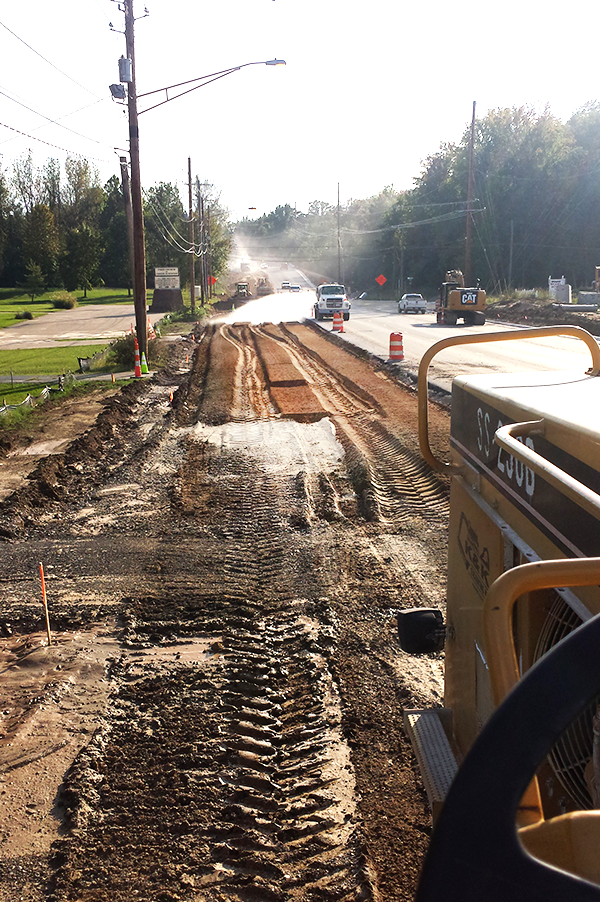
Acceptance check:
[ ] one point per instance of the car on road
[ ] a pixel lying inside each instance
(412, 303)
(285, 286)
(295, 288)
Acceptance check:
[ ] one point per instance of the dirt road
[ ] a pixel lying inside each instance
(219, 716)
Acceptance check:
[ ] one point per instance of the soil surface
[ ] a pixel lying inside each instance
(531, 312)
(219, 713)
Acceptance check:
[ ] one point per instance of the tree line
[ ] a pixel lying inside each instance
(535, 212)
(61, 228)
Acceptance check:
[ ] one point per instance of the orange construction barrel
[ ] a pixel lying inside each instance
(338, 322)
(396, 346)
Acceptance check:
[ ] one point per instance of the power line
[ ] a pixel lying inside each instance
(167, 235)
(166, 223)
(56, 146)
(72, 113)
(47, 60)
(48, 119)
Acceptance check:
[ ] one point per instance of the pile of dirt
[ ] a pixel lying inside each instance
(542, 313)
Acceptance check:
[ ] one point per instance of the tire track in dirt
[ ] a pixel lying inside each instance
(395, 484)
(252, 748)
(269, 763)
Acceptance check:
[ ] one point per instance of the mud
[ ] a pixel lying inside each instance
(219, 716)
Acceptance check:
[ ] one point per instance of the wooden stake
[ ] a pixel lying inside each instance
(45, 600)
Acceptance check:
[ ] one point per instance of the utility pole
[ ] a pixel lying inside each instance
(191, 239)
(128, 212)
(339, 242)
(470, 193)
(208, 255)
(200, 205)
(139, 251)
(510, 259)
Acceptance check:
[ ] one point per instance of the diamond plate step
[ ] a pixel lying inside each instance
(433, 752)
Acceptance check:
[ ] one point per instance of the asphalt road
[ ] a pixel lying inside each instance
(372, 322)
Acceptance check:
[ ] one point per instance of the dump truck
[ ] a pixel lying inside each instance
(511, 761)
(457, 302)
(331, 298)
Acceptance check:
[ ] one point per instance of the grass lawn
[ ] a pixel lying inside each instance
(17, 393)
(45, 360)
(15, 300)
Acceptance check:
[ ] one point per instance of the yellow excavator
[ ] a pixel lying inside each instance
(457, 302)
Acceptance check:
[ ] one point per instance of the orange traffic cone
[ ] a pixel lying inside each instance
(138, 368)
(338, 322)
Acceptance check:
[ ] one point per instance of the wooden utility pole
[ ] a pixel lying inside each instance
(339, 242)
(128, 213)
(208, 255)
(191, 239)
(510, 258)
(200, 205)
(470, 193)
(139, 250)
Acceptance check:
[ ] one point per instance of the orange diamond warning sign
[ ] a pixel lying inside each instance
(381, 280)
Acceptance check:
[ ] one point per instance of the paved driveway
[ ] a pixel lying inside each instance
(83, 325)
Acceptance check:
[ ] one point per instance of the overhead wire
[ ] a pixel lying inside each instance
(56, 146)
(168, 237)
(48, 119)
(33, 50)
(160, 211)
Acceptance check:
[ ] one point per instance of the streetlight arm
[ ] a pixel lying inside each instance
(205, 80)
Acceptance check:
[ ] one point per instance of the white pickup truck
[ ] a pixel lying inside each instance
(412, 303)
(332, 299)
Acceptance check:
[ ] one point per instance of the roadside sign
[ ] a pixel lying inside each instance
(166, 277)
(381, 280)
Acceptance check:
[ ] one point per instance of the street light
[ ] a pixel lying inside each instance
(139, 251)
(204, 80)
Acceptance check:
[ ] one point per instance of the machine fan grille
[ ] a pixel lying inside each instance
(572, 752)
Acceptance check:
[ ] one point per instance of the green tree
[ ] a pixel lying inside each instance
(41, 242)
(82, 196)
(34, 279)
(115, 268)
(218, 236)
(167, 242)
(82, 257)
(27, 182)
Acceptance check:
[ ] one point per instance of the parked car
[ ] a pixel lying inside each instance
(412, 303)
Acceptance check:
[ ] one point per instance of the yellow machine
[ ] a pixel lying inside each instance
(264, 287)
(523, 574)
(457, 302)
(242, 290)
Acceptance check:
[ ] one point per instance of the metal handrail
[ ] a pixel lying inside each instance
(423, 404)
(570, 487)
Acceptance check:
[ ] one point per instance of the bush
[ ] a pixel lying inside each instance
(63, 300)
(122, 352)
(24, 314)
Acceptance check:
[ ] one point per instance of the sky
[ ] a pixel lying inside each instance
(368, 92)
